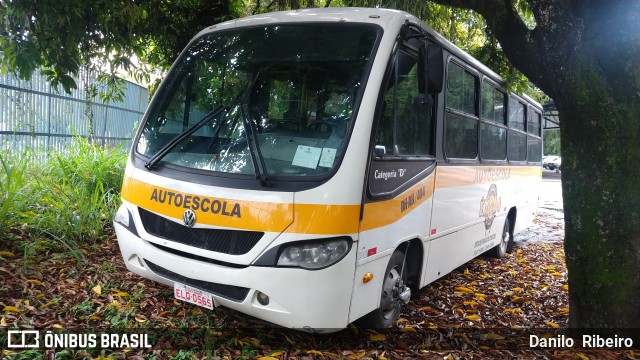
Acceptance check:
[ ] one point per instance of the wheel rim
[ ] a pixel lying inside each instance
(390, 303)
(504, 242)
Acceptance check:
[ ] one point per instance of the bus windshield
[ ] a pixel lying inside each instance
(279, 96)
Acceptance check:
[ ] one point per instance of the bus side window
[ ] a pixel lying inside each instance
(517, 141)
(493, 132)
(461, 120)
(405, 126)
(534, 141)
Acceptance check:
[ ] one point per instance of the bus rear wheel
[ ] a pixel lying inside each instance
(506, 242)
(395, 293)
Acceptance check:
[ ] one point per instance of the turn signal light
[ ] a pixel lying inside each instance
(367, 277)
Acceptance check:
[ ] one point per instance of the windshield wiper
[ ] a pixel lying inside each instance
(193, 128)
(178, 139)
(252, 141)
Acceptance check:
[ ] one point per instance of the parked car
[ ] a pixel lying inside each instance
(552, 162)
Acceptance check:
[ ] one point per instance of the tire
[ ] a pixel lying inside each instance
(506, 243)
(390, 302)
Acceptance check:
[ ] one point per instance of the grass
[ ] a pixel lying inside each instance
(12, 180)
(62, 204)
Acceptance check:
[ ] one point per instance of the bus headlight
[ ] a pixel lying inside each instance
(124, 218)
(314, 255)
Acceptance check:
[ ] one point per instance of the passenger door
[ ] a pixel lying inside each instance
(400, 178)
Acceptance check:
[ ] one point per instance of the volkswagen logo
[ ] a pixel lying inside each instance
(189, 218)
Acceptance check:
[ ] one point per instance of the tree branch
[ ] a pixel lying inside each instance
(519, 43)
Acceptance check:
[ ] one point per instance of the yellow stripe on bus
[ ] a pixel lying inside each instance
(239, 214)
(319, 219)
(453, 176)
(325, 219)
(248, 215)
(383, 213)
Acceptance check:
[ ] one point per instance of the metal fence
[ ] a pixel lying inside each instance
(34, 115)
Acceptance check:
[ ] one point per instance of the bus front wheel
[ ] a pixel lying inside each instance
(395, 293)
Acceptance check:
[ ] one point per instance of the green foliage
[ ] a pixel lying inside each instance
(66, 201)
(552, 142)
(12, 180)
(60, 36)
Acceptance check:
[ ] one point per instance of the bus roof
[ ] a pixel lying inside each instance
(386, 18)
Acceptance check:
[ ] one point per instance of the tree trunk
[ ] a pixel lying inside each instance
(599, 107)
(600, 174)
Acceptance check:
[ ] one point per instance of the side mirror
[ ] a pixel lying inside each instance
(430, 69)
(435, 62)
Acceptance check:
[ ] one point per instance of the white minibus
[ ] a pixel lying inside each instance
(315, 167)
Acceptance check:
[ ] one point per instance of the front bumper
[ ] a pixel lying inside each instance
(313, 300)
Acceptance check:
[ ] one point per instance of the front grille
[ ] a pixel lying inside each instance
(197, 257)
(230, 292)
(233, 242)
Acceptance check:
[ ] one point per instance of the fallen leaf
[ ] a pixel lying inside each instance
(47, 304)
(493, 336)
(474, 317)
(513, 310)
(377, 337)
(11, 308)
(464, 289)
(6, 253)
(97, 289)
(552, 324)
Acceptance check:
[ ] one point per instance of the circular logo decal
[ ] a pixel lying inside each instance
(189, 218)
(489, 206)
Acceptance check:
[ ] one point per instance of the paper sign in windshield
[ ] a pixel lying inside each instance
(327, 157)
(307, 156)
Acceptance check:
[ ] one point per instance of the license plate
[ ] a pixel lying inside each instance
(192, 295)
